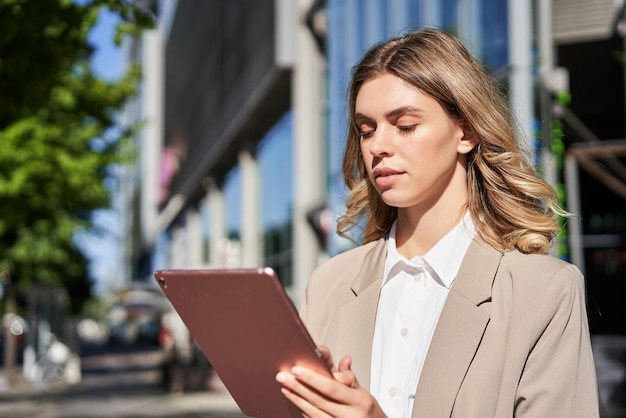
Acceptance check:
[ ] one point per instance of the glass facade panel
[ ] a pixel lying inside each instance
(232, 196)
(449, 15)
(161, 254)
(495, 34)
(274, 154)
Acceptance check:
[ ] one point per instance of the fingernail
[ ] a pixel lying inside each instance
(285, 391)
(281, 377)
(297, 371)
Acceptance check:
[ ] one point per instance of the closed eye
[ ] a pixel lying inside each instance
(406, 129)
(366, 134)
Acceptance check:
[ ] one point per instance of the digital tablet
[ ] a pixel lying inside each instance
(248, 328)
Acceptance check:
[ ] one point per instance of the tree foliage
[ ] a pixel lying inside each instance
(58, 135)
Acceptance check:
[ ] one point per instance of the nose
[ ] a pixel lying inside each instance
(380, 145)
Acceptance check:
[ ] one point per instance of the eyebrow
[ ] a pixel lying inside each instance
(402, 110)
(392, 113)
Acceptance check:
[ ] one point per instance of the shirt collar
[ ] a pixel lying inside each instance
(442, 261)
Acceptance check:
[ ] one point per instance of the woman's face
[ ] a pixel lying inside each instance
(412, 150)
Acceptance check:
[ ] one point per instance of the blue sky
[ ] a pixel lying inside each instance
(107, 58)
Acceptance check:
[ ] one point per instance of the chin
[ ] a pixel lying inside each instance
(399, 202)
(396, 203)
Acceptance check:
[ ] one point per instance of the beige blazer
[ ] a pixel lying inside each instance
(512, 340)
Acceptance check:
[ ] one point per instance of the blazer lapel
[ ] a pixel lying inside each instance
(357, 318)
(458, 333)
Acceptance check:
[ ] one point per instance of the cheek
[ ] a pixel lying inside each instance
(441, 146)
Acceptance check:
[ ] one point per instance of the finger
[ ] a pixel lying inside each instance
(344, 373)
(308, 410)
(304, 398)
(323, 388)
(333, 397)
(345, 364)
(347, 378)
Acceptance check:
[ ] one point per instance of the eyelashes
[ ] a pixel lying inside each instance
(366, 135)
(403, 129)
(406, 129)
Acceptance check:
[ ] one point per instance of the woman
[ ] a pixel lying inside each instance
(452, 306)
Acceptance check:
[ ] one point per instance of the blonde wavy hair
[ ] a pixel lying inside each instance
(511, 206)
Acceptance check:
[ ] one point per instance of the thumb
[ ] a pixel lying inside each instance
(345, 364)
(345, 375)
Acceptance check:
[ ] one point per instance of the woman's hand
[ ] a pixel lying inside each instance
(317, 395)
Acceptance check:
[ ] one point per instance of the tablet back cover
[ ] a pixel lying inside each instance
(248, 328)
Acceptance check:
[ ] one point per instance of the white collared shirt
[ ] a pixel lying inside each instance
(412, 296)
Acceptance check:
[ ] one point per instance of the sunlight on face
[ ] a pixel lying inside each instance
(413, 151)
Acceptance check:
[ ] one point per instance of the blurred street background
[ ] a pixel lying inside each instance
(136, 364)
(138, 135)
(125, 381)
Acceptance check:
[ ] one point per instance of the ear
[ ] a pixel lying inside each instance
(468, 140)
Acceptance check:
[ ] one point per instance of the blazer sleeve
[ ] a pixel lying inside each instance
(559, 378)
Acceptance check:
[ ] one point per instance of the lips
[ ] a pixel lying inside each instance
(385, 172)
(386, 176)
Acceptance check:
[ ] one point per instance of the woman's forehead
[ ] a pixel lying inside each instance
(391, 95)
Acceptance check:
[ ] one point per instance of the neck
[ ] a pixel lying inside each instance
(420, 227)
(416, 235)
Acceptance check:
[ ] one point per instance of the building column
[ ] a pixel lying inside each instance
(177, 247)
(574, 224)
(250, 204)
(520, 62)
(309, 171)
(152, 134)
(186, 244)
(141, 181)
(193, 241)
(546, 72)
(216, 206)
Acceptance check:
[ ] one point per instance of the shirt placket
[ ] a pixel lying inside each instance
(417, 293)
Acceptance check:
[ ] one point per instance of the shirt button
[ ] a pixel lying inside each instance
(393, 392)
(404, 331)
(417, 276)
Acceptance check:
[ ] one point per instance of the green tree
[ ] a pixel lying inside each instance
(59, 136)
